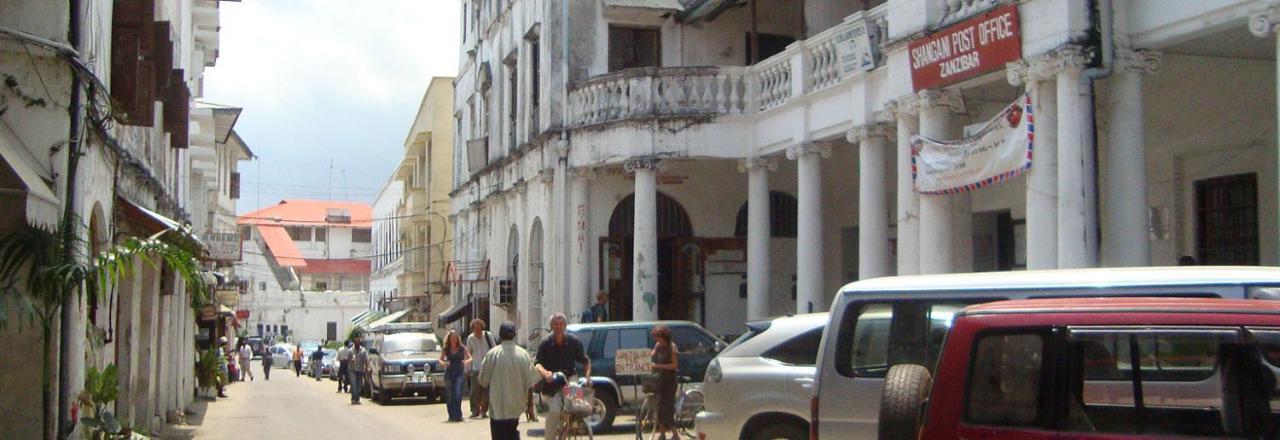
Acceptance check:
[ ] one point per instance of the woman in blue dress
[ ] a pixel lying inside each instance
(455, 359)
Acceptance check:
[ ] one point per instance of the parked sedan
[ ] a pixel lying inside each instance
(281, 356)
(759, 387)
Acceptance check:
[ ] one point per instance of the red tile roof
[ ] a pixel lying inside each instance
(296, 212)
(281, 246)
(358, 267)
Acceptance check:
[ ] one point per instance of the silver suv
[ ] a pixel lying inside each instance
(759, 387)
(405, 364)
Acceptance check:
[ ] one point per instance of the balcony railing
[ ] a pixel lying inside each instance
(648, 92)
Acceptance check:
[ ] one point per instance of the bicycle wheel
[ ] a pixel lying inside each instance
(688, 407)
(647, 418)
(576, 429)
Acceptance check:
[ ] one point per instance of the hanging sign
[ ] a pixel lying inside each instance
(221, 246)
(970, 48)
(1000, 150)
(853, 47)
(632, 362)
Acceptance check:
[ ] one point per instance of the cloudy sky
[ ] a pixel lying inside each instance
(327, 81)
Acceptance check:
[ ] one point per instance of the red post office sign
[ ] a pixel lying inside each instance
(970, 48)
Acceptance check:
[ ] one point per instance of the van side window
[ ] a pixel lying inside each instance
(876, 336)
(1004, 379)
(689, 340)
(622, 339)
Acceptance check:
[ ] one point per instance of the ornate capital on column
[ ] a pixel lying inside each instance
(757, 162)
(875, 129)
(642, 163)
(583, 173)
(941, 98)
(1069, 57)
(903, 107)
(1032, 70)
(1138, 61)
(1262, 24)
(822, 148)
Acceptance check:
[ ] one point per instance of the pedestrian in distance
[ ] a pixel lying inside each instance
(344, 361)
(246, 358)
(224, 374)
(508, 373)
(456, 360)
(297, 362)
(267, 361)
(359, 364)
(479, 342)
(317, 362)
(664, 364)
(559, 353)
(600, 310)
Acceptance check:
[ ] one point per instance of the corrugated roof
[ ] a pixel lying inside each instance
(360, 267)
(297, 212)
(282, 247)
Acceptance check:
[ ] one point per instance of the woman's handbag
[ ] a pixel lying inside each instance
(577, 400)
(649, 384)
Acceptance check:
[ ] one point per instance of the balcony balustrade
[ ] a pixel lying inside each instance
(656, 92)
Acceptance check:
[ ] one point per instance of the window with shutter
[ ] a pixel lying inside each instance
(235, 186)
(177, 109)
(132, 79)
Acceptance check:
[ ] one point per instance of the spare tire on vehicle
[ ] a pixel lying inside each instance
(906, 387)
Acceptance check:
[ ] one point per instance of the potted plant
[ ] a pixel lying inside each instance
(100, 389)
(207, 373)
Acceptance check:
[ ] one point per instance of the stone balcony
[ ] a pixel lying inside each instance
(647, 93)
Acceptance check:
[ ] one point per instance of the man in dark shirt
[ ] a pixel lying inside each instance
(559, 354)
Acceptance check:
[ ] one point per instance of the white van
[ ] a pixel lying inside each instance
(878, 323)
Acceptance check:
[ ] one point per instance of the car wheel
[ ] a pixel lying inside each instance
(384, 397)
(781, 432)
(604, 408)
(906, 387)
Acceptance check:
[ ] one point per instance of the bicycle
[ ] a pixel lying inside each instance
(688, 404)
(577, 407)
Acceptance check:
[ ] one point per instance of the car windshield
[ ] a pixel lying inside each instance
(412, 344)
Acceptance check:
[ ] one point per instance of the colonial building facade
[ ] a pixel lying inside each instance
(724, 160)
(99, 124)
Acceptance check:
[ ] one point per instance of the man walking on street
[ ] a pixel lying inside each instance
(507, 372)
(478, 343)
(317, 361)
(246, 356)
(359, 363)
(297, 362)
(267, 361)
(344, 361)
(559, 354)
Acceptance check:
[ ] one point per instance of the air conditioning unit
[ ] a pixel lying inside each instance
(506, 292)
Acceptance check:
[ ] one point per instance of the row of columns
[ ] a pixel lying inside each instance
(934, 231)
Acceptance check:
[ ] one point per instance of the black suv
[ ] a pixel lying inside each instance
(696, 348)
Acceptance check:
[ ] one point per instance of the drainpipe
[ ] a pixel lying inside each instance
(71, 302)
(1107, 43)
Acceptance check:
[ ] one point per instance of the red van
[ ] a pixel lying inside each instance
(1099, 368)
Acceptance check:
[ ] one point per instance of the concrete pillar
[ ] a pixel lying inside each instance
(908, 215)
(580, 252)
(873, 199)
(1125, 233)
(938, 222)
(644, 286)
(1042, 179)
(759, 234)
(1264, 25)
(809, 244)
(1077, 222)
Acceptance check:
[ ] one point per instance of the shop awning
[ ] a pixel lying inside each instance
(364, 318)
(454, 313)
(387, 319)
(358, 318)
(158, 224)
(42, 206)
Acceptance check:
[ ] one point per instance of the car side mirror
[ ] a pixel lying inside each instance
(373, 351)
(720, 346)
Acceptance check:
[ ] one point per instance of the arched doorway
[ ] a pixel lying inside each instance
(674, 230)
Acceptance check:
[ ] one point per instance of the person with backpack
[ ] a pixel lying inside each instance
(479, 342)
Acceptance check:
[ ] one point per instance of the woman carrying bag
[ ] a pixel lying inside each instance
(664, 367)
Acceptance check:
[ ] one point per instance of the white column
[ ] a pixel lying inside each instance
(758, 235)
(938, 253)
(644, 287)
(580, 250)
(1042, 179)
(809, 261)
(873, 199)
(1077, 228)
(904, 111)
(1264, 25)
(1125, 233)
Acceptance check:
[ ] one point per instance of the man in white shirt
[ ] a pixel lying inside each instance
(246, 355)
(508, 372)
(344, 363)
(478, 343)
